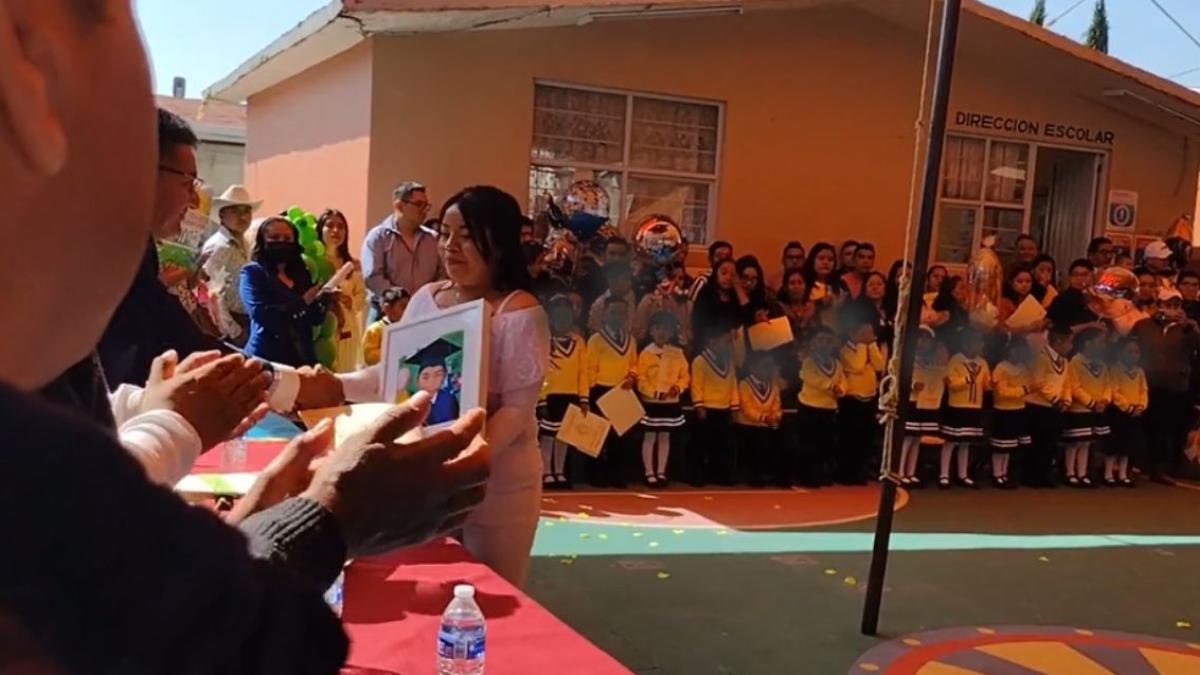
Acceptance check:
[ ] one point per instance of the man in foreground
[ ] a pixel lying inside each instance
(103, 570)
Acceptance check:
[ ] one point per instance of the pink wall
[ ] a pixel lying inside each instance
(308, 140)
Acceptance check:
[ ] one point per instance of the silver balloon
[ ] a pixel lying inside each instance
(659, 239)
(1116, 283)
(561, 251)
(586, 196)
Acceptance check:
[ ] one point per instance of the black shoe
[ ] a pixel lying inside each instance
(997, 482)
(1006, 484)
(1073, 481)
(968, 483)
(1109, 482)
(663, 482)
(1127, 482)
(1086, 483)
(944, 484)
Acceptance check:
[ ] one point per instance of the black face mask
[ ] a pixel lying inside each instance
(279, 252)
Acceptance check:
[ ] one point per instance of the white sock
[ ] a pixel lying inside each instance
(648, 452)
(1081, 460)
(1069, 459)
(947, 451)
(964, 459)
(997, 465)
(1123, 467)
(914, 454)
(1004, 464)
(664, 452)
(560, 458)
(1109, 463)
(547, 457)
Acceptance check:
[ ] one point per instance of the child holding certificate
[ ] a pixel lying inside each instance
(662, 375)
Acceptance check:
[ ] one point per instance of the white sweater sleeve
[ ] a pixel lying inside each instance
(164, 443)
(126, 403)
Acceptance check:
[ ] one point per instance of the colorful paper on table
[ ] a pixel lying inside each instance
(1029, 312)
(769, 335)
(216, 483)
(622, 408)
(347, 419)
(586, 433)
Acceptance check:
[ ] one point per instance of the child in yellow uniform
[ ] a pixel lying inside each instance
(1090, 392)
(928, 389)
(1130, 396)
(1045, 405)
(822, 383)
(612, 362)
(862, 361)
(715, 397)
(566, 385)
(662, 375)
(967, 380)
(758, 420)
(393, 302)
(1010, 424)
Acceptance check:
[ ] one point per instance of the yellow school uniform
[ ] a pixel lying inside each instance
(1087, 384)
(862, 364)
(1048, 378)
(760, 401)
(568, 372)
(932, 376)
(650, 364)
(819, 382)
(1010, 384)
(610, 358)
(714, 386)
(1129, 390)
(967, 380)
(372, 344)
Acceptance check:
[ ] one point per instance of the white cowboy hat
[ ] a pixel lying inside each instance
(234, 195)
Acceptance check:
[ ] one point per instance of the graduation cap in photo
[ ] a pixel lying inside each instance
(434, 355)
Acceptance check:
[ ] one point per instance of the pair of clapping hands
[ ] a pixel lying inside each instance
(430, 484)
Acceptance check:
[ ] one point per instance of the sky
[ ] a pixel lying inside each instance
(205, 40)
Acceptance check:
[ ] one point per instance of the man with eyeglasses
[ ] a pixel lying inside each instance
(400, 252)
(1100, 253)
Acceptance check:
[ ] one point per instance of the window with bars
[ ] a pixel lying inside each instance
(653, 154)
(983, 193)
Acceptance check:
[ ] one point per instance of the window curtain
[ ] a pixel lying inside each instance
(1072, 195)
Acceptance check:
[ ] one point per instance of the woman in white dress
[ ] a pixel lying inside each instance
(333, 231)
(479, 245)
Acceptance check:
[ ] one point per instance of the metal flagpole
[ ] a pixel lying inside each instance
(947, 43)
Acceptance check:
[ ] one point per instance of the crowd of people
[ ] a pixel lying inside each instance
(1069, 398)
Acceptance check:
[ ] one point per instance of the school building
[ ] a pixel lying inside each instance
(756, 122)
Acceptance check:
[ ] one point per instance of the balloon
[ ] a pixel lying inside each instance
(1112, 297)
(985, 276)
(294, 213)
(1116, 283)
(659, 239)
(307, 238)
(585, 205)
(561, 251)
(318, 249)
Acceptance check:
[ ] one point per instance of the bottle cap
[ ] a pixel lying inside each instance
(464, 591)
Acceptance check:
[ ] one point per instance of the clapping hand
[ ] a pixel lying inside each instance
(387, 493)
(219, 396)
(288, 474)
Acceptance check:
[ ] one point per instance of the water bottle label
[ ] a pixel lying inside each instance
(461, 643)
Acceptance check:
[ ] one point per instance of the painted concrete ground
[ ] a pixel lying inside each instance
(773, 581)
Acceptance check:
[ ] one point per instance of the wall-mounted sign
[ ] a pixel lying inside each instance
(1054, 131)
(1122, 209)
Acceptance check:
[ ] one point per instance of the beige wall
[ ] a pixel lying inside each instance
(308, 140)
(220, 164)
(818, 129)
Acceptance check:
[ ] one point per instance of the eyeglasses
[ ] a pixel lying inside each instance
(421, 206)
(197, 182)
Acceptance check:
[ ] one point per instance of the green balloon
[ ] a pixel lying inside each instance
(294, 213)
(319, 249)
(324, 269)
(307, 238)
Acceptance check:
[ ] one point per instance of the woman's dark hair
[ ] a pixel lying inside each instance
(1010, 277)
(294, 267)
(891, 293)
(717, 246)
(1081, 262)
(666, 320)
(868, 278)
(945, 302)
(810, 269)
(1039, 290)
(326, 216)
(749, 262)
(494, 218)
(786, 297)
(929, 273)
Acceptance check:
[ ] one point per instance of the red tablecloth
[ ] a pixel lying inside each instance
(393, 605)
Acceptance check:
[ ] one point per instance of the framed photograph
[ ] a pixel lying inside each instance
(444, 354)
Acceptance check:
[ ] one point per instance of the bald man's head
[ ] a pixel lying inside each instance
(78, 162)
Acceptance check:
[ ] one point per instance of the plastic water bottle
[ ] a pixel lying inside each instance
(233, 455)
(335, 593)
(462, 635)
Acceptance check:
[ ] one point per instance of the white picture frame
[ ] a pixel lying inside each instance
(463, 326)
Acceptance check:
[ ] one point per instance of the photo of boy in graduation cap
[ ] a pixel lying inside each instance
(435, 368)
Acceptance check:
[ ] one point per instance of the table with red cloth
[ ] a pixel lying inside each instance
(393, 606)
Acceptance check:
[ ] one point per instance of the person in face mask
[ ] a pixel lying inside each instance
(283, 304)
